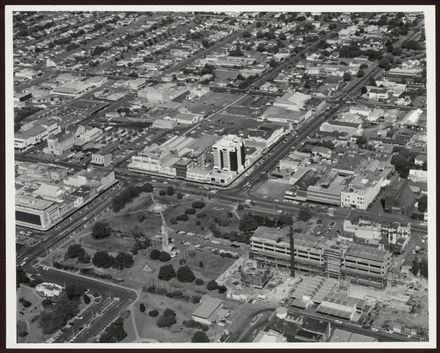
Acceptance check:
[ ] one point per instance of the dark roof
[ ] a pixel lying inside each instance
(314, 325)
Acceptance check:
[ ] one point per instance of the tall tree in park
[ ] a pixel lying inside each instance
(166, 272)
(247, 223)
(102, 259)
(101, 230)
(185, 274)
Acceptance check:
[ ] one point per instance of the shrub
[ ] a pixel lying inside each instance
(162, 192)
(86, 299)
(191, 253)
(221, 289)
(190, 211)
(201, 215)
(170, 191)
(182, 217)
(201, 264)
(173, 221)
(199, 281)
(195, 299)
(198, 223)
(198, 204)
(142, 307)
(153, 313)
(179, 196)
(26, 303)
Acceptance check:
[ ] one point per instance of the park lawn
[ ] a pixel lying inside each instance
(147, 326)
(211, 210)
(111, 243)
(129, 328)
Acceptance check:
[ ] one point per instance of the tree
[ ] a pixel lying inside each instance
(123, 260)
(347, 76)
(424, 267)
(74, 291)
(397, 51)
(415, 266)
(221, 289)
(384, 63)
(142, 307)
(285, 219)
(361, 73)
(74, 251)
(153, 313)
(154, 254)
(170, 191)
(182, 217)
(164, 256)
(190, 211)
(199, 337)
(166, 272)
(423, 203)
(101, 230)
(212, 285)
(114, 333)
(86, 299)
(167, 319)
(304, 214)
(102, 259)
(55, 318)
(185, 274)
(179, 196)
(147, 187)
(21, 277)
(361, 140)
(247, 223)
(199, 281)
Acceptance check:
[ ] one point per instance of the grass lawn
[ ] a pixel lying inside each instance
(129, 328)
(147, 326)
(111, 243)
(29, 314)
(211, 210)
(22, 327)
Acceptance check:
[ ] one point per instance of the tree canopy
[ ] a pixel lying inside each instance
(185, 274)
(101, 230)
(199, 337)
(166, 272)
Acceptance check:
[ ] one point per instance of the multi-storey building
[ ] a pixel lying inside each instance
(229, 154)
(366, 185)
(358, 263)
(362, 264)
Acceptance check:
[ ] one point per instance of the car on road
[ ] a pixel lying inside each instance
(338, 321)
(331, 224)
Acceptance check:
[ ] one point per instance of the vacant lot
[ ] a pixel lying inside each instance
(272, 189)
(211, 102)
